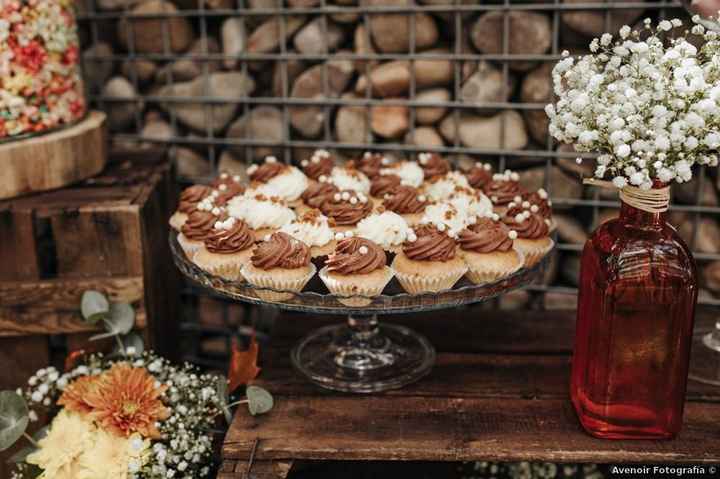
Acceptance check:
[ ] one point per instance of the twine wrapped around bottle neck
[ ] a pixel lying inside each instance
(654, 200)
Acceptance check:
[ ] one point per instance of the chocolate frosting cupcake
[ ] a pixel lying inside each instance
(281, 251)
(384, 184)
(433, 165)
(479, 175)
(486, 236)
(320, 164)
(356, 256)
(405, 200)
(430, 244)
(371, 163)
(346, 208)
(317, 193)
(191, 196)
(198, 225)
(528, 225)
(232, 240)
(266, 171)
(503, 188)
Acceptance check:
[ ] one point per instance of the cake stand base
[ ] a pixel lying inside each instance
(363, 356)
(705, 357)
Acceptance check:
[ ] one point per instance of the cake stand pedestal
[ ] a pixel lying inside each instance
(53, 159)
(361, 356)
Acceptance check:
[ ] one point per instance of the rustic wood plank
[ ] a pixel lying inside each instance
(261, 469)
(52, 306)
(454, 429)
(17, 244)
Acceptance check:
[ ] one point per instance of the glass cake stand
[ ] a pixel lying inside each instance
(361, 356)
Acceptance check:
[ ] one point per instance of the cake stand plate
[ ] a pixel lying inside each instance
(54, 159)
(361, 356)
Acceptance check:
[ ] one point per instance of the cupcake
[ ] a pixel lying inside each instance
(470, 202)
(357, 270)
(231, 182)
(479, 175)
(428, 261)
(433, 165)
(316, 194)
(409, 172)
(320, 164)
(541, 199)
(446, 217)
(273, 178)
(263, 214)
(189, 198)
(533, 239)
(371, 163)
(346, 209)
(198, 225)
(281, 263)
(441, 187)
(313, 229)
(487, 248)
(502, 189)
(389, 230)
(382, 185)
(225, 192)
(408, 202)
(226, 248)
(350, 178)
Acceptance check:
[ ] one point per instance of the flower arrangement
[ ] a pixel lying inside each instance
(127, 415)
(40, 83)
(646, 101)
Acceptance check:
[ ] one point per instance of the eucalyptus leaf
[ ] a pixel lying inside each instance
(13, 418)
(120, 320)
(132, 340)
(260, 401)
(221, 388)
(94, 306)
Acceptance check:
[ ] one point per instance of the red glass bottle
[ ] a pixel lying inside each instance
(636, 306)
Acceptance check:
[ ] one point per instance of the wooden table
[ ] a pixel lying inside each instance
(499, 391)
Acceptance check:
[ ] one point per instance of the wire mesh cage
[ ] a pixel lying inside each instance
(222, 83)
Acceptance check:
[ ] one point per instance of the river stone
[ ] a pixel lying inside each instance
(263, 123)
(148, 33)
(190, 164)
(234, 39)
(393, 78)
(592, 22)
(424, 136)
(98, 71)
(569, 229)
(267, 37)
(486, 132)
(121, 113)
(316, 39)
(391, 31)
(226, 85)
(185, 69)
(426, 115)
(352, 124)
(486, 85)
(389, 121)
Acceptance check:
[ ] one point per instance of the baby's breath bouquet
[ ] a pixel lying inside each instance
(647, 102)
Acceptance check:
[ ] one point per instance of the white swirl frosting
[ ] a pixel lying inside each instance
(470, 202)
(410, 173)
(259, 211)
(288, 185)
(445, 186)
(386, 229)
(313, 233)
(350, 179)
(446, 217)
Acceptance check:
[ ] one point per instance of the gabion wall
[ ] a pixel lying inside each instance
(223, 83)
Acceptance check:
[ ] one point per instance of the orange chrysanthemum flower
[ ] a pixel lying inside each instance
(128, 401)
(74, 398)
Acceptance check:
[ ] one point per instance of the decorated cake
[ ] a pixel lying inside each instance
(364, 223)
(41, 87)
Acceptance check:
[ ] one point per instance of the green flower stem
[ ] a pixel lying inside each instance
(31, 440)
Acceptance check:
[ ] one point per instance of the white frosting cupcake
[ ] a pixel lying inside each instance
(447, 217)
(443, 187)
(470, 202)
(261, 213)
(388, 229)
(288, 185)
(313, 229)
(410, 173)
(349, 179)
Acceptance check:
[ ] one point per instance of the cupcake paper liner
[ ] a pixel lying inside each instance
(225, 266)
(177, 220)
(354, 287)
(481, 274)
(285, 286)
(533, 251)
(190, 247)
(416, 284)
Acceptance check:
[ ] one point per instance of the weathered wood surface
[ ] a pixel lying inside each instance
(499, 392)
(55, 159)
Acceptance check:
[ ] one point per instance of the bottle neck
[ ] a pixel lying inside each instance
(632, 216)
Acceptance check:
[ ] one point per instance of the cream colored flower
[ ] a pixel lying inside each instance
(113, 456)
(69, 436)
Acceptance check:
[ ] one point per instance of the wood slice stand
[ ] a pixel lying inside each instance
(53, 160)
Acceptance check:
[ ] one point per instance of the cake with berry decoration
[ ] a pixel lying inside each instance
(41, 87)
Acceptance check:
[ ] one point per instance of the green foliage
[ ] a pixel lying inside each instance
(14, 418)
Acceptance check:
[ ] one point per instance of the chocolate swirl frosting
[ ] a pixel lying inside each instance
(281, 251)
(370, 164)
(267, 171)
(346, 212)
(433, 165)
(356, 256)
(478, 176)
(532, 225)
(405, 200)
(227, 241)
(486, 236)
(315, 169)
(317, 193)
(198, 225)
(502, 192)
(384, 184)
(541, 202)
(191, 196)
(430, 245)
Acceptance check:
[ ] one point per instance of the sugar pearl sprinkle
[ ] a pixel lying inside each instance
(423, 158)
(236, 178)
(216, 211)
(222, 187)
(224, 176)
(519, 218)
(252, 169)
(411, 237)
(363, 250)
(422, 198)
(270, 159)
(323, 179)
(512, 234)
(542, 193)
(225, 225)
(534, 208)
(507, 175)
(525, 204)
(484, 166)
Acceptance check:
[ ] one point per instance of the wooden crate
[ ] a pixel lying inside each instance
(499, 392)
(108, 233)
